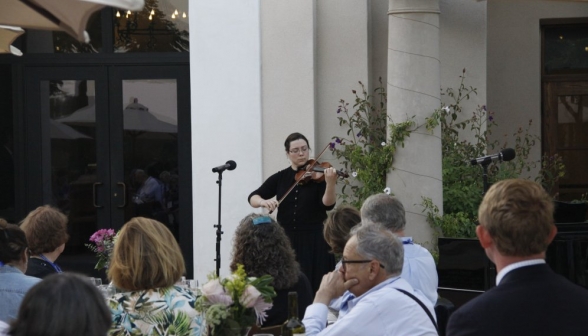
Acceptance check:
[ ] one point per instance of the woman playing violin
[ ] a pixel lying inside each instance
(303, 211)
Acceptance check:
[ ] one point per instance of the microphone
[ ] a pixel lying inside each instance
(230, 165)
(506, 154)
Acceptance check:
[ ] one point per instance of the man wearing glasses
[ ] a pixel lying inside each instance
(419, 266)
(378, 301)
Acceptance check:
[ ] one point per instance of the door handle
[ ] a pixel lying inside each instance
(94, 194)
(124, 195)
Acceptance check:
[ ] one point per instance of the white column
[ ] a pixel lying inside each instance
(414, 89)
(226, 119)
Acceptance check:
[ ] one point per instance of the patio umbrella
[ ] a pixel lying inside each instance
(136, 118)
(7, 35)
(70, 16)
(62, 131)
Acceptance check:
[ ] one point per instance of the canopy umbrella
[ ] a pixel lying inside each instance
(136, 117)
(70, 16)
(7, 35)
(62, 131)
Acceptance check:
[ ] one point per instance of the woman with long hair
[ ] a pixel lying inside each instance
(262, 247)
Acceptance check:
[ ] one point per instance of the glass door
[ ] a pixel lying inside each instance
(102, 145)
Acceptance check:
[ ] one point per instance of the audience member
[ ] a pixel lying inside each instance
(46, 231)
(378, 300)
(516, 226)
(13, 264)
(63, 304)
(419, 267)
(337, 227)
(261, 245)
(146, 264)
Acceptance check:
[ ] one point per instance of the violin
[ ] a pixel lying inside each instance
(311, 168)
(314, 173)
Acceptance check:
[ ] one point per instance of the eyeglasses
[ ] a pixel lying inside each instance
(344, 262)
(298, 150)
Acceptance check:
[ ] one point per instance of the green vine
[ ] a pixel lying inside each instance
(367, 150)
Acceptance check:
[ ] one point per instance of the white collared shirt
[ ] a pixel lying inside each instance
(516, 265)
(382, 310)
(419, 269)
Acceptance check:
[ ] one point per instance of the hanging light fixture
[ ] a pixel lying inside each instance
(184, 16)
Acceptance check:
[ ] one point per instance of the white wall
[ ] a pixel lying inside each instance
(288, 77)
(514, 60)
(226, 119)
(462, 45)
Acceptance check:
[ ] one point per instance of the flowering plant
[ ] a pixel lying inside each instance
(103, 244)
(235, 302)
(370, 143)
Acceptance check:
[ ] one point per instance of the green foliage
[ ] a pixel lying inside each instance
(462, 182)
(366, 150)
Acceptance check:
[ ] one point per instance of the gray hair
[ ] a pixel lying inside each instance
(375, 242)
(384, 210)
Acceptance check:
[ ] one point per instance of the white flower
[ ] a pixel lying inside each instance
(354, 174)
(387, 190)
(249, 296)
(215, 293)
(445, 108)
(383, 144)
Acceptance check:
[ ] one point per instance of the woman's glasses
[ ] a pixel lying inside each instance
(298, 150)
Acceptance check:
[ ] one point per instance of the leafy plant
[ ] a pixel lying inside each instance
(367, 150)
(462, 182)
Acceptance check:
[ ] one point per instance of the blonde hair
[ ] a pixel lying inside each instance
(45, 228)
(518, 215)
(145, 256)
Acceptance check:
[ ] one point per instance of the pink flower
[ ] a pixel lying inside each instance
(249, 297)
(215, 293)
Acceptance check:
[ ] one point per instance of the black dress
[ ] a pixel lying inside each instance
(39, 268)
(302, 214)
(278, 314)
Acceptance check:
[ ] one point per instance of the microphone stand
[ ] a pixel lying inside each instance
(485, 184)
(218, 226)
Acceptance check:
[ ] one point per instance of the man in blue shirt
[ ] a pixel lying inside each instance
(378, 301)
(419, 266)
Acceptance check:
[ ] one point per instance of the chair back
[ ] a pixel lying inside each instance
(443, 309)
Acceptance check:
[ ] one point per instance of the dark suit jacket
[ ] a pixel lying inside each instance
(530, 300)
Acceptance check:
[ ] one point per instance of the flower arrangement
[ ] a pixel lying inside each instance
(235, 303)
(103, 244)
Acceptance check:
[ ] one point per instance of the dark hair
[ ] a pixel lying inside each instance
(338, 225)
(45, 228)
(13, 242)
(265, 249)
(64, 304)
(294, 137)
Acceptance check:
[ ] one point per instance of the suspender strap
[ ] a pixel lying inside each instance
(422, 306)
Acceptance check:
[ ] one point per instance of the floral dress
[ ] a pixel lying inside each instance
(161, 311)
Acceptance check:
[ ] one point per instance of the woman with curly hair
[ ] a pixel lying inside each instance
(261, 245)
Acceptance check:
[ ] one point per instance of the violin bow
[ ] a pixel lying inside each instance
(308, 169)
